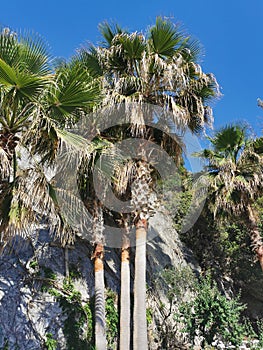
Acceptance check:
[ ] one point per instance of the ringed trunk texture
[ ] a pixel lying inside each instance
(256, 239)
(140, 324)
(125, 300)
(100, 320)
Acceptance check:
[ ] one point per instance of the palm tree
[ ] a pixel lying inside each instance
(24, 69)
(235, 174)
(95, 207)
(38, 102)
(156, 69)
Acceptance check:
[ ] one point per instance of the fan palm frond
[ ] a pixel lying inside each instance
(108, 32)
(165, 38)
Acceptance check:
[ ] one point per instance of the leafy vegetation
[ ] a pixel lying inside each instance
(176, 284)
(210, 314)
(78, 323)
(50, 343)
(112, 319)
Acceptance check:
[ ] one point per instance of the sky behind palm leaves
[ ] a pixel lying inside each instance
(230, 31)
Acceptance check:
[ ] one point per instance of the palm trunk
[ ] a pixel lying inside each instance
(8, 142)
(256, 239)
(66, 262)
(100, 321)
(125, 303)
(139, 318)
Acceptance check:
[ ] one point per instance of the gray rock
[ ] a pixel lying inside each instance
(28, 314)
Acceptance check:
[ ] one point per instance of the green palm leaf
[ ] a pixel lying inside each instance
(133, 45)
(24, 52)
(24, 84)
(9, 48)
(73, 140)
(230, 141)
(8, 75)
(191, 50)
(33, 55)
(30, 86)
(164, 38)
(73, 90)
(108, 32)
(258, 145)
(89, 58)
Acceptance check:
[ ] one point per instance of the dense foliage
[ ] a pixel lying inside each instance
(211, 315)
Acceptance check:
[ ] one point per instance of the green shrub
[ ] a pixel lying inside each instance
(51, 343)
(210, 314)
(78, 325)
(112, 318)
(149, 316)
(175, 282)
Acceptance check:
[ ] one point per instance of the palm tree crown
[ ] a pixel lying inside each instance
(235, 174)
(158, 68)
(38, 101)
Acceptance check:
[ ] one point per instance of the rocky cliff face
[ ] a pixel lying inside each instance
(32, 317)
(38, 310)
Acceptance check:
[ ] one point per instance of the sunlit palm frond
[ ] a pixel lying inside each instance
(133, 45)
(31, 200)
(229, 139)
(108, 32)
(8, 75)
(165, 38)
(72, 90)
(257, 145)
(89, 58)
(34, 55)
(23, 204)
(21, 84)
(74, 215)
(9, 47)
(191, 50)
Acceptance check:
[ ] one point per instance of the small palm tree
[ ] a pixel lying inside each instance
(235, 174)
(95, 207)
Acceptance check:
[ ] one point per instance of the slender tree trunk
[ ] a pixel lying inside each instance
(139, 318)
(66, 262)
(8, 143)
(256, 239)
(100, 321)
(125, 297)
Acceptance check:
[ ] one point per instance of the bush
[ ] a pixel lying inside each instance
(210, 314)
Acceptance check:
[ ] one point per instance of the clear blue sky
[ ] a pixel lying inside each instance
(231, 32)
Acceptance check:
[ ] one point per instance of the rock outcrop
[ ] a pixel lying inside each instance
(32, 315)
(29, 313)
